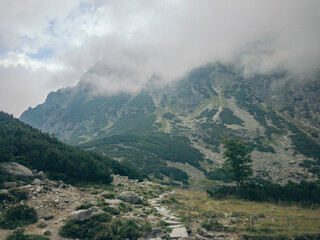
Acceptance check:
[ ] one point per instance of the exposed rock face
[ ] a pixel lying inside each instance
(15, 169)
(83, 215)
(130, 197)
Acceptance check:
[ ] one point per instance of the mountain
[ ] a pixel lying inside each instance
(176, 130)
(24, 144)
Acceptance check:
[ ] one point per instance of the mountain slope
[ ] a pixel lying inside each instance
(22, 143)
(210, 102)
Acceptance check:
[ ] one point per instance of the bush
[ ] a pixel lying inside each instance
(212, 224)
(19, 235)
(5, 197)
(17, 216)
(84, 206)
(303, 192)
(19, 194)
(111, 210)
(102, 226)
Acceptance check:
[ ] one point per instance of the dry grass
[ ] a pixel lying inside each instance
(270, 220)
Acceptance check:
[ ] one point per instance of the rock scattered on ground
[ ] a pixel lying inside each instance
(130, 197)
(85, 214)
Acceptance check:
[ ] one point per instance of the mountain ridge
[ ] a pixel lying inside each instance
(210, 102)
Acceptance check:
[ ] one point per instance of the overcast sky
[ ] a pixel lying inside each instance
(46, 44)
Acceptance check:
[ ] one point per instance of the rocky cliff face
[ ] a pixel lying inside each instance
(278, 117)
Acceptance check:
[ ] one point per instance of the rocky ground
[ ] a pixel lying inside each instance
(56, 201)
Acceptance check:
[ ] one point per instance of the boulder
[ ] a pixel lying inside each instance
(42, 223)
(10, 184)
(37, 181)
(85, 214)
(15, 169)
(130, 197)
(113, 201)
(40, 175)
(178, 233)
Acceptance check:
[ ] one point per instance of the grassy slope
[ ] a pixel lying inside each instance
(270, 220)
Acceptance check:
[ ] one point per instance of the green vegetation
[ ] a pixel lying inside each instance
(148, 152)
(271, 221)
(19, 235)
(219, 174)
(208, 114)
(238, 161)
(303, 192)
(18, 216)
(103, 226)
(39, 150)
(168, 115)
(228, 117)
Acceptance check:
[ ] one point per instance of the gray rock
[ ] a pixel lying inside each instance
(40, 175)
(113, 201)
(37, 181)
(15, 169)
(85, 214)
(198, 237)
(105, 193)
(178, 233)
(10, 184)
(42, 223)
(91, 200)
(130, 197)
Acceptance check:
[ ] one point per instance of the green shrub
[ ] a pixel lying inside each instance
(111, 210)
(47, 233)
(19, 235)
(19, 194)
(17, 216)
(102, 226)
(5, 197)
(84, 206)
(212, 224)
(108, 196)
(303, 192)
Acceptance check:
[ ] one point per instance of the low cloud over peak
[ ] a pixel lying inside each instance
(141, 39)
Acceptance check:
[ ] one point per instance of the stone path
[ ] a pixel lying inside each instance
(179, 230)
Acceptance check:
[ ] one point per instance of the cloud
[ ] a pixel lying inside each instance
(160, 39)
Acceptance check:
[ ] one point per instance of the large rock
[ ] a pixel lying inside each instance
(85, 214)
(178, 233)
(130, 197)
(15, 169)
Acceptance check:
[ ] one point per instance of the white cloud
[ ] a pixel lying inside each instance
(14, 59)
(152, 38)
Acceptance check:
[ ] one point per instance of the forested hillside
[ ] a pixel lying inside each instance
(24, 144)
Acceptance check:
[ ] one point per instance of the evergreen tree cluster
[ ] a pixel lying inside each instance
(37, 150)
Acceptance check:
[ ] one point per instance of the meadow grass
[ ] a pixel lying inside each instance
(270, 220)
